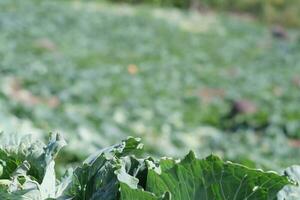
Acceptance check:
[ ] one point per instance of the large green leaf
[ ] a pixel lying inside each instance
(211, 178)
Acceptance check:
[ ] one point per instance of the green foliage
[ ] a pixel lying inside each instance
(28, 167)
(97, 72)
(116, 173)
(285, 12)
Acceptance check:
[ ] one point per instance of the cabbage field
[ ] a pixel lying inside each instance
(198, 89)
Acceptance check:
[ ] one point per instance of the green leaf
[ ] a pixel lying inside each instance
(211, 178)
(28, 166)
(1, 170)
(98, 177)
(128, 193)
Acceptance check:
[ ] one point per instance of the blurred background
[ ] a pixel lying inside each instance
(212, 76)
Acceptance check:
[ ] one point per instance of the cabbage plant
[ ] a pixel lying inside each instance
(27, 171)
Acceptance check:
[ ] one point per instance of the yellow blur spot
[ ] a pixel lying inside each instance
(132, 69)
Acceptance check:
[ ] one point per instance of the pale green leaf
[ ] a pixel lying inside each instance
(211, 178)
